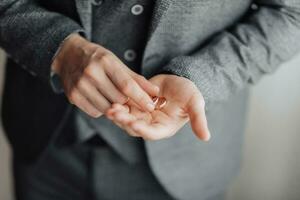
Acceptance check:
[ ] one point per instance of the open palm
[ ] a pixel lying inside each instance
(184, 103)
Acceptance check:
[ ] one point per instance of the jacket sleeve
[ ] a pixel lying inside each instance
(242, 54)
(31, 35)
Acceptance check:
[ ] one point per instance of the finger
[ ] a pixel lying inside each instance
(134, 110)
(120, 114)
(150, 88)
(122, 118)
(129, 87)
(196, 112)
(131, 132)
(114, 108)
(120, 107)
(83, 104)
(153, 131)
(110, 114)
(161, 127)
(132, 104)
(108, 89)
(145, 84)
(141, 115)
(93, 95)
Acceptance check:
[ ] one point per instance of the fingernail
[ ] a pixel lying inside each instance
(150, 107)
(207, 138)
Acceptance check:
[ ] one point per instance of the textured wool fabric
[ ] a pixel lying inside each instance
(113, 178)
(29, 55)
(115, 27)
(83, 171)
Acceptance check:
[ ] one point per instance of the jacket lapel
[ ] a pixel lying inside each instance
(160, 9)
(84, 9)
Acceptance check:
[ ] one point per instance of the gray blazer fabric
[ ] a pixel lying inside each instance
(221, 45)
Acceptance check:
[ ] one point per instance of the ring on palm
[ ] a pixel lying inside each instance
(159, 102)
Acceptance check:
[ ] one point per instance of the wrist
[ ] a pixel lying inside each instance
(69, 44)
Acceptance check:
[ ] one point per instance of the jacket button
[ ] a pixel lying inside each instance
(254, 6)
(130, 55)
(97, 2)
(137, 9)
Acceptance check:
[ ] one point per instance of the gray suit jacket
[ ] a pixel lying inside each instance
(221, 45)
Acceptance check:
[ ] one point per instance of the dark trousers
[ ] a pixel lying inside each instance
(81, 172)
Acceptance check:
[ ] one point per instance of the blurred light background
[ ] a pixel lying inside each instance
(271, 163)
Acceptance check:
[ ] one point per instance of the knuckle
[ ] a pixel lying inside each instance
(140, 77)
(89, 71)
(105, 58)
(72, 96)
(115, 71)
(97, 53)
(126, 86)
(79, 84)
(121, 100)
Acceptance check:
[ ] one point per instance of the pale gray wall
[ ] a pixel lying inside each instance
(271, 167)
(5, 172)
(271, 163)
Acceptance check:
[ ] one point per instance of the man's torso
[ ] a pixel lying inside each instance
(177, 28)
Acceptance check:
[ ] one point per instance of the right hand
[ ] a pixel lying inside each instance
(93, 78)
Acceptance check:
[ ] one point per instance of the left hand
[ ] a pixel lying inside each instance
(184, 103)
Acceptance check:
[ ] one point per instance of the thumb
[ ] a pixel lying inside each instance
(196, 112)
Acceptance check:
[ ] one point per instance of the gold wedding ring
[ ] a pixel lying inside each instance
(159, 102)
